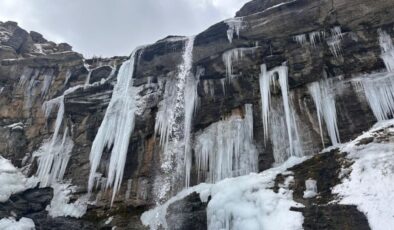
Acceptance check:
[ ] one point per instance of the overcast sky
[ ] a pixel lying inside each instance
(115, 27)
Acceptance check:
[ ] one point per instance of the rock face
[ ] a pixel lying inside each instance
(34, 70)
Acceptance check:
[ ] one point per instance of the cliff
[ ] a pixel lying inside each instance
(282, 79)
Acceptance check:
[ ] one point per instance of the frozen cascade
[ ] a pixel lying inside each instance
(267, 80)
(234, 26)
(387, 47)
(226, 149)
(234, 55)
(324, 100)
(379, 91)
(116, 128)
(174, 122)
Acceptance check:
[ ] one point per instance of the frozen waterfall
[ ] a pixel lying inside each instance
(174, 123)
(116, 128)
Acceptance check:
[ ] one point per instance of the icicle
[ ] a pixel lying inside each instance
(234, 26)
(325, 106)
(314, 36)
(225, 149)
(379, 91)
(387, 47)
(334, 42)
(266, 80)
(116, 128)
(300, 39)
(234, 55)
(314, 90)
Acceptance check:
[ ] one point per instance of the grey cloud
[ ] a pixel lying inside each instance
(107, 28)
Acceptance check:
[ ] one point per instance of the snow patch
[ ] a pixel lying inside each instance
(12, 224)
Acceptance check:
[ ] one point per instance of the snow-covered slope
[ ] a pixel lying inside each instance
(370, 182)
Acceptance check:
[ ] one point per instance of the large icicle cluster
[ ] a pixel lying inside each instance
(54, 154)
(324, 98)
(116, 128)
(234, 27)
(226, 149)
(379, 87)
(268, 80)
(379, 91)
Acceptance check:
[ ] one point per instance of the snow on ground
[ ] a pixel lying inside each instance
(370, 183)
(12, 180)
(12, 224)
(245, 202)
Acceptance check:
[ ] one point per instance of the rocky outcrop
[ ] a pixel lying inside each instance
(34, 70)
